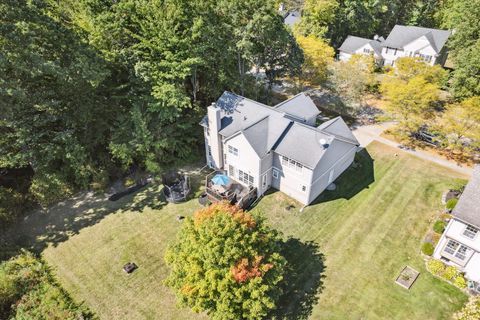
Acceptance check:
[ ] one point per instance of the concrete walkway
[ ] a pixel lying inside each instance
(366, 134)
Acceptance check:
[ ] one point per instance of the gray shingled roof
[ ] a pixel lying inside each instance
(352, 43)
(403, 35)
(272, 128)
(292, 18)
(468, 206)
(300, 106)
(338, 127)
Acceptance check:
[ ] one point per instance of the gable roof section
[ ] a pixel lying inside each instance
(292, 18)
(400, 36)
(302, 144)
(300, 106)
(352, 44)
(468, 206)
(339, 128)
(267, 128)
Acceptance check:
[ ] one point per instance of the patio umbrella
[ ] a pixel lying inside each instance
(221, 179)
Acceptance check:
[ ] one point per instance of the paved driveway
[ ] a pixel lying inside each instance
(366, 134)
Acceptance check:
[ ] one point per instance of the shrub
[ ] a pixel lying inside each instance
(48, 188)
(439, 226)
(427, 248)
(450, 273)
(460, 281)
(471, 311)
(451, 204)
(435, 266)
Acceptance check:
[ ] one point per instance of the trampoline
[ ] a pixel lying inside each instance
(176, 187)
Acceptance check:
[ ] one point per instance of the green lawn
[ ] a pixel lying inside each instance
(350, 251)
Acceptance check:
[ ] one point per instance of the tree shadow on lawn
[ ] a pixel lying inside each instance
(303, 283)
(61, 221)
(357, 177)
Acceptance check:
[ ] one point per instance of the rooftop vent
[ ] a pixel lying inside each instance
(324, 143)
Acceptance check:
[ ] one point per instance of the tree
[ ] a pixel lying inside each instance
(411, 90)
(464, 44)
(226, 262)
(317, 17)
(459, 125)
(318, 56)
(56, 115)
(411, 101)
(352, 79)
(471, 311)
(408, 67)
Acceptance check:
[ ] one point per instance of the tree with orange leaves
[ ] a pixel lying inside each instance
(226, 262)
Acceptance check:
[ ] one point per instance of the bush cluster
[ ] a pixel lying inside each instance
(449, 273)
(451, 204)
(427, 248)
(439, 226)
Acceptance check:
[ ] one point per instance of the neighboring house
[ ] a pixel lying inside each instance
(460, 243)
(356, 45)
(278, 146)
(291, 17)
(403, 41)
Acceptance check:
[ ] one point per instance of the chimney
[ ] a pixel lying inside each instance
(214, 140)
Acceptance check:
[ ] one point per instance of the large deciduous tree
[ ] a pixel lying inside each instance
(318, 56)
(226, 262)
(462, 16)
(55, 114)
(410, 91)
(459, 125)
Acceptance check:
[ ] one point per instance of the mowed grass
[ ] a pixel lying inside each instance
(365, 241)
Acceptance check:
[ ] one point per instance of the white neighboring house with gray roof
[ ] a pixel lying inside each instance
(403, 41)
(278, 146)
(460, 242)
(356, 45)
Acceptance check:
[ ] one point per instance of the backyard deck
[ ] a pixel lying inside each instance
(234, 192)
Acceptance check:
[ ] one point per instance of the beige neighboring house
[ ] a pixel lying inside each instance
(460, 243)
(279, 147)
(403, 41)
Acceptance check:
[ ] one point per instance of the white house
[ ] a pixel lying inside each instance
(279, 147)
(403, 41)
(460, 243)
(356, 45)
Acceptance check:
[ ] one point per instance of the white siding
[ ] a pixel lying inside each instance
(343, 56)
(472, 269)
(325, 171)
(455, 231)
(290, 181)
(247, 159)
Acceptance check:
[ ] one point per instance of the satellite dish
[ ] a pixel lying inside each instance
(323, 142)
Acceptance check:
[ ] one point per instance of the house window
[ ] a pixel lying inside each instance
(456, 249)
(245, 178)
(366, 50)
(233, 151)
(264, 181)
(386, 50)
(304, 188)
(209, 151)
(291, 163)
(275, 174)
(470, 232)
(231, 171)
(395, 52)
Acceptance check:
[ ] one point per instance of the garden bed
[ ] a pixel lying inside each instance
(407, 277)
